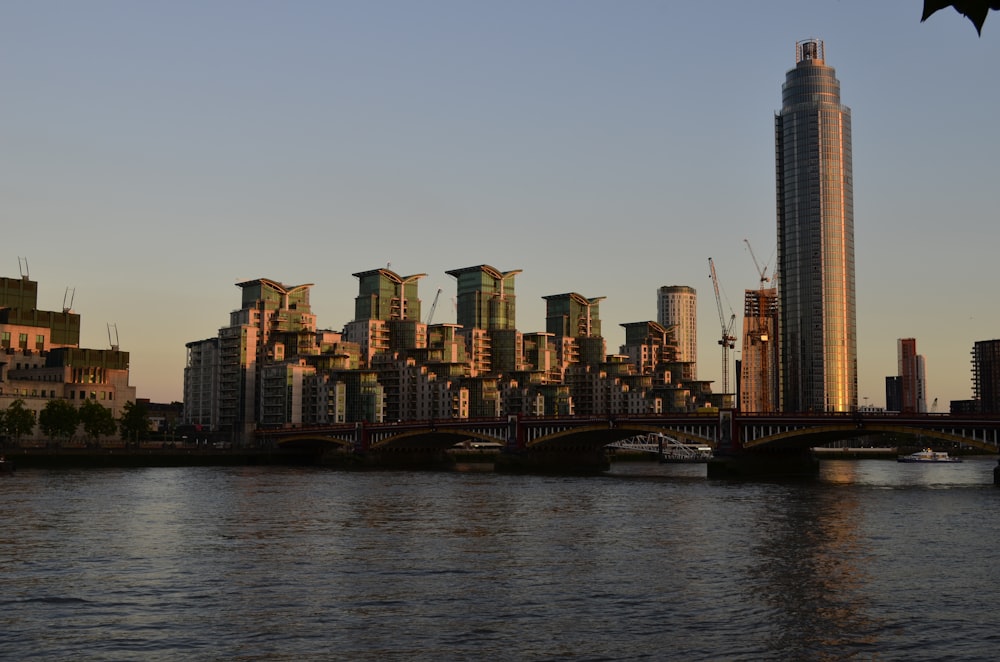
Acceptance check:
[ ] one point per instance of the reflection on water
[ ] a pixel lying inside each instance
(874, 560)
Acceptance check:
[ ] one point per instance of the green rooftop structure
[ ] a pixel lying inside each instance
(385, 295)
(486, 297)
(573, 315)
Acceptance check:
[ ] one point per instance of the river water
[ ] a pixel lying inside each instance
(876, 560)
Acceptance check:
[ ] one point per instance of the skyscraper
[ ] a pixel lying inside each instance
(815, 210)
(912, 378)
(986, 376)
(677, 306)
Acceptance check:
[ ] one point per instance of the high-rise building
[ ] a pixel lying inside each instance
(986, 375)
(677, 306)
(759, 364)
(912, 387)
(274, 323)
(815, 213)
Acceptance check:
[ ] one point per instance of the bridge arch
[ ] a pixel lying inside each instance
(812, 436)
(443, 437)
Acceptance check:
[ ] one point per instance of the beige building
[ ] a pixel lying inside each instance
(41, 358)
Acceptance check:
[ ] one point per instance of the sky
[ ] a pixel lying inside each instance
(154, 154)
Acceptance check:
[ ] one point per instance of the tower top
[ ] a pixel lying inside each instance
(808, 50)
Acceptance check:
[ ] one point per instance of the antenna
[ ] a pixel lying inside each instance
(23, 269)
(113, 343)
(71, 295)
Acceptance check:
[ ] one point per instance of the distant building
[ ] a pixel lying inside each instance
(41, 358)
(758, 368)
(486, 298)
(912, 377)
(677, 306)
(986, 375)
(815, 206)
(893, 394)
(575, 323)
(201, 384)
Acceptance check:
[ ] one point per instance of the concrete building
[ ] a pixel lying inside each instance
(912, 377)
(677, 306)
(41, 358)
(201, 384)
(758, 367)
(815, 211)
(274, 324)
(986, 376)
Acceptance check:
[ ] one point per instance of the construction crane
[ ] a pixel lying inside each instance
(728, 340)
(761, 272)
(430, 315)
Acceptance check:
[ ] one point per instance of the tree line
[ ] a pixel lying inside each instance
(59, 421)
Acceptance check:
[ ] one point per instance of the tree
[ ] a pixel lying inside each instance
(134, 423)
(97, 420)
(974, 10)
(18, 420)
(58, 420)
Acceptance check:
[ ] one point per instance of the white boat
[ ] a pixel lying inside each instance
(927, 455)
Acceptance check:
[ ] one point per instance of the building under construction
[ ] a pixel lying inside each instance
(759, 366)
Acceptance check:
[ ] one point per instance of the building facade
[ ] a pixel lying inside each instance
(986, 376)
(815, 223)
(41, 359)
(758, 371)
(677, 306)
(912, 377)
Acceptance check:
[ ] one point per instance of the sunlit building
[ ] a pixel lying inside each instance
(815, 212)
(759, 362)
(677, 306)
(41, 358)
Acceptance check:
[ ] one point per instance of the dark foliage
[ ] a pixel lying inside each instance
(974, 10)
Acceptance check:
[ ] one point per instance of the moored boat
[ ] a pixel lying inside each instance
(927, 455)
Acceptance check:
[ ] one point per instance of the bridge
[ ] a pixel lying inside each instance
(579, 441)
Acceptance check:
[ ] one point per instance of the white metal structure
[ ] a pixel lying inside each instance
(668, 448)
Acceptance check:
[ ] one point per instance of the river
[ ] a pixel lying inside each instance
(874, 560)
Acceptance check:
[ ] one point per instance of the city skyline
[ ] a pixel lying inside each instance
(160, 154)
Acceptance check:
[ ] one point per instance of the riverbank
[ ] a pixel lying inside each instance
(75, 458)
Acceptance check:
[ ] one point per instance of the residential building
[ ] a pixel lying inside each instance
(815, 213)
(986, 375)
(912, 379)
(201, 384)
(677, 306)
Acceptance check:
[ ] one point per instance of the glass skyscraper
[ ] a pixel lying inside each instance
(815, 207)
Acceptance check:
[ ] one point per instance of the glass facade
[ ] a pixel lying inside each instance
(486, 298)
(815, 209)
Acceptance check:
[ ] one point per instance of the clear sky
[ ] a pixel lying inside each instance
(156, 153)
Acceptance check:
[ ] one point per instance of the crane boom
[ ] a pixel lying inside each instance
(430, 315)
(728, 340)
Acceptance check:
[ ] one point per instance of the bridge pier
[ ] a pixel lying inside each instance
(553, 462)
(793, 464)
